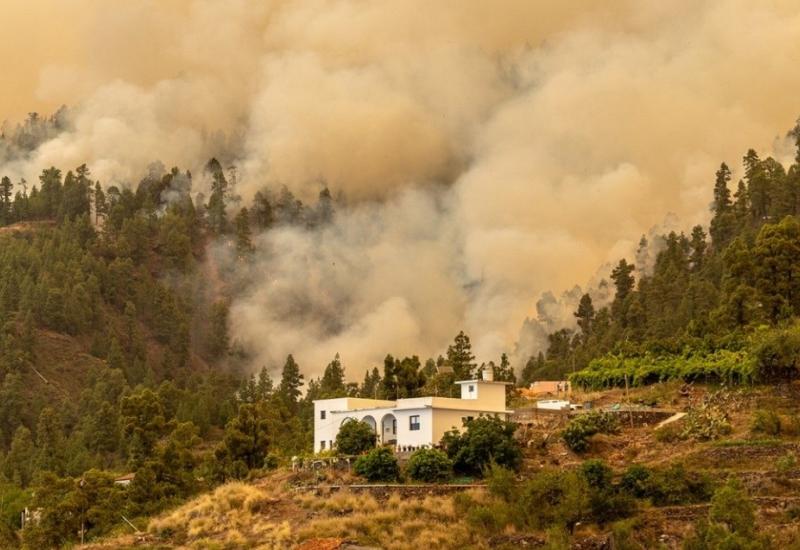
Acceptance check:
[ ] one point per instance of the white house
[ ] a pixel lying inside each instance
(412, 422)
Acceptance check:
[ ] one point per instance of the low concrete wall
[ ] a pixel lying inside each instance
(384, 491)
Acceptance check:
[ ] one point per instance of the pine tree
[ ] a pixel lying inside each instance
(262, 212)
(50, 444)
(459, 356)
(722, 195)
(741, 203)
(264, 386)
(247, 437)
(325, 211)
(218, 338)
(698, 246)
(19, 462)
(332, 383)
(115, 358)
(505, 372)
(100, 206)
(585, 315)
(244, 243)
(143, 423)
(532, 367)
(642, 255)
(216, 207)
(5, 201)
(389, 379)
(371, 385)
(758, 185)
(794, 133)
(623, 282)
(409, 377)
(291, 382)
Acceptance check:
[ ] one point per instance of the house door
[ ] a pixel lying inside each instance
(389, 430)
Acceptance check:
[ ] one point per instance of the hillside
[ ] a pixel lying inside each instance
(308, 511)
(116, 357)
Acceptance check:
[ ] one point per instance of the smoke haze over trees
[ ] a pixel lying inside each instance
(482, 159)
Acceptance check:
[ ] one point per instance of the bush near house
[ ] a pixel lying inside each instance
(577, 433)
(377, 465)
(430, 466)
(486, 440)
(355, 437)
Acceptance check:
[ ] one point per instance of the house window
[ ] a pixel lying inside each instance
(472, 389)
(322, 445)
(413, 422)
(322, 415)
(394, 426)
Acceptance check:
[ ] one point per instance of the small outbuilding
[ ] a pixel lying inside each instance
(125, 480)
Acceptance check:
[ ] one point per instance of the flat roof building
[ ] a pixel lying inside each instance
(413, 422)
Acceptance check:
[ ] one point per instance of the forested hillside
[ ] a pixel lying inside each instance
(720, 303)
(115, 354)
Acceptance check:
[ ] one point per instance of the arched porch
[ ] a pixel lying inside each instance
(388, 434)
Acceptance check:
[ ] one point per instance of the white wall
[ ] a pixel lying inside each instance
(416, 438)
(327, 428)
(437, 415)
(485, 395)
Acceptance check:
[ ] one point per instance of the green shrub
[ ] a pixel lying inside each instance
(355, 437)
(578, 431)
(272, 461)
(766, 422)
(676, 485)
(606, 503)
(501, 483)
(430, 466)
(777, 354)
(622, 535)
(708, 420)
(486, 440)
(635, 481)
(597, 474)
(553, 498)
(786, 463)
(490, 519)
(666, 486)
(8, 536)
(557, 539)
(669, 433)
(377, 465)
(731, 523)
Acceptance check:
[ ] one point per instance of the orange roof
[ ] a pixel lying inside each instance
(126, 477)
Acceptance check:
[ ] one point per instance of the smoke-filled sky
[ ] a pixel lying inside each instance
(488, 151)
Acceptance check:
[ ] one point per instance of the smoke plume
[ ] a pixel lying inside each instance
(488, 151)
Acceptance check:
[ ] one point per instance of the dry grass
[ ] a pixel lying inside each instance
(230, 517)
(239, 515)
(393, 524)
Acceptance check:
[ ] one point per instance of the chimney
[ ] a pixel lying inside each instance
(488, 374)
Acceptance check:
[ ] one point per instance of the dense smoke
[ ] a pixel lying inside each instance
(488, 151)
